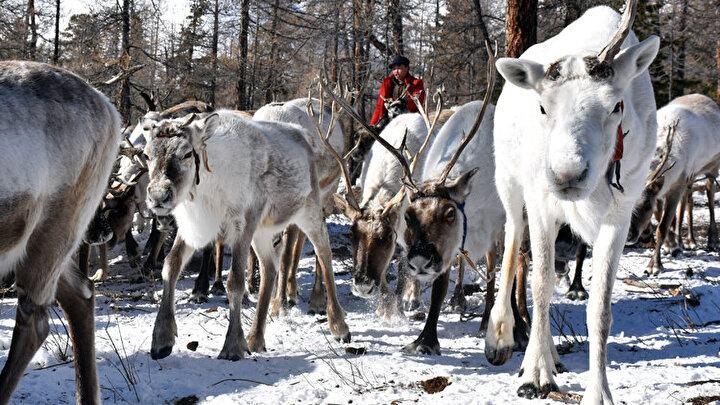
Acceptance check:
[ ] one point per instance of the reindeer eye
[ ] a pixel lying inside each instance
(617, 107)
(542, 110)
(450, 215)
(187, 156)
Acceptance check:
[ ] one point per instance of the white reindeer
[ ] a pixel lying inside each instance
(245, 181)
(295, 112)
(567, 104)
(59, 139)
(690, 126)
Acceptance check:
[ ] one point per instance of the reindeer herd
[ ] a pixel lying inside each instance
(570, 143)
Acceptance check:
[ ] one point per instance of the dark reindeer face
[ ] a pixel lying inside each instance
(435, 226)
(98, 231)
(373, 236)
(642, 214)
(373, 243)
(395, 107)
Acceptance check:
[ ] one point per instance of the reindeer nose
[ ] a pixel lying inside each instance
(569, 178)
(157, 197)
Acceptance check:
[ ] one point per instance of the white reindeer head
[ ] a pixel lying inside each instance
(580, 108)
(174, 150)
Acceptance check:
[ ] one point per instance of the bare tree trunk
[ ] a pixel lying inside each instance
(253, 75)
(242, 65)
(269, 90)
(336, 41)
(125, 102)
(56, 44)
(31, 45)
(717, 61)
(520, 26)
(214, 52)
(395, 16)
(679, 89)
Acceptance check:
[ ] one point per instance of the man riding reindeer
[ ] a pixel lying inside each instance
(396, 92)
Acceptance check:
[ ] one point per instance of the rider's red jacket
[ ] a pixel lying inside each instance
(416, 88)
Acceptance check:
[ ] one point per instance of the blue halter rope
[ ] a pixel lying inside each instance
(461, 208)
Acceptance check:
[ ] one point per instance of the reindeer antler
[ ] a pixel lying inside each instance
(660, 169)
(607, 54)
(437, 97)
(324, 137)
(486, 101)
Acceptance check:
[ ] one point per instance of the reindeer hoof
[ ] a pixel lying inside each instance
(234, 351)
(217, 288)
(528, 390)
(291, 302)
(344, 338)
(497, 356)
(199, 297)
(316, 312)
(676, 252)
(427, 348)
(161, 353)
(577, 295)
(458, 303)
(256, 343)
(654, 270)
(560, 368)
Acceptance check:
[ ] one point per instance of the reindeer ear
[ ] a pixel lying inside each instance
(634, 60)
(204, 128)
(396, 205)
(520, 72)
(460, 187)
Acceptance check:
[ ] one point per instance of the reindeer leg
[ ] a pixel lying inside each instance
(202, 282)
(292, 287)
(263, 244)
(655, 266)
(712, 230)
(577, 291)
(489, 291)
(521, 332)
(499, 340)
(691, 242)
(411, 295)
(84, 258)
(314, 227)
(102, 272)
(458, 301)
(165, 329)
(427, 342)
(607, 249)
(218, 288)
(31, 329)
(680, 217)
(131, 247)
(279, 302)
(252, 272)
(76, 297)
(318, 299)
(235, 345)
(389, 306)
(538, 365)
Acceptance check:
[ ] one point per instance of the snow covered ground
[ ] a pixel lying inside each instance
(663, 347)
